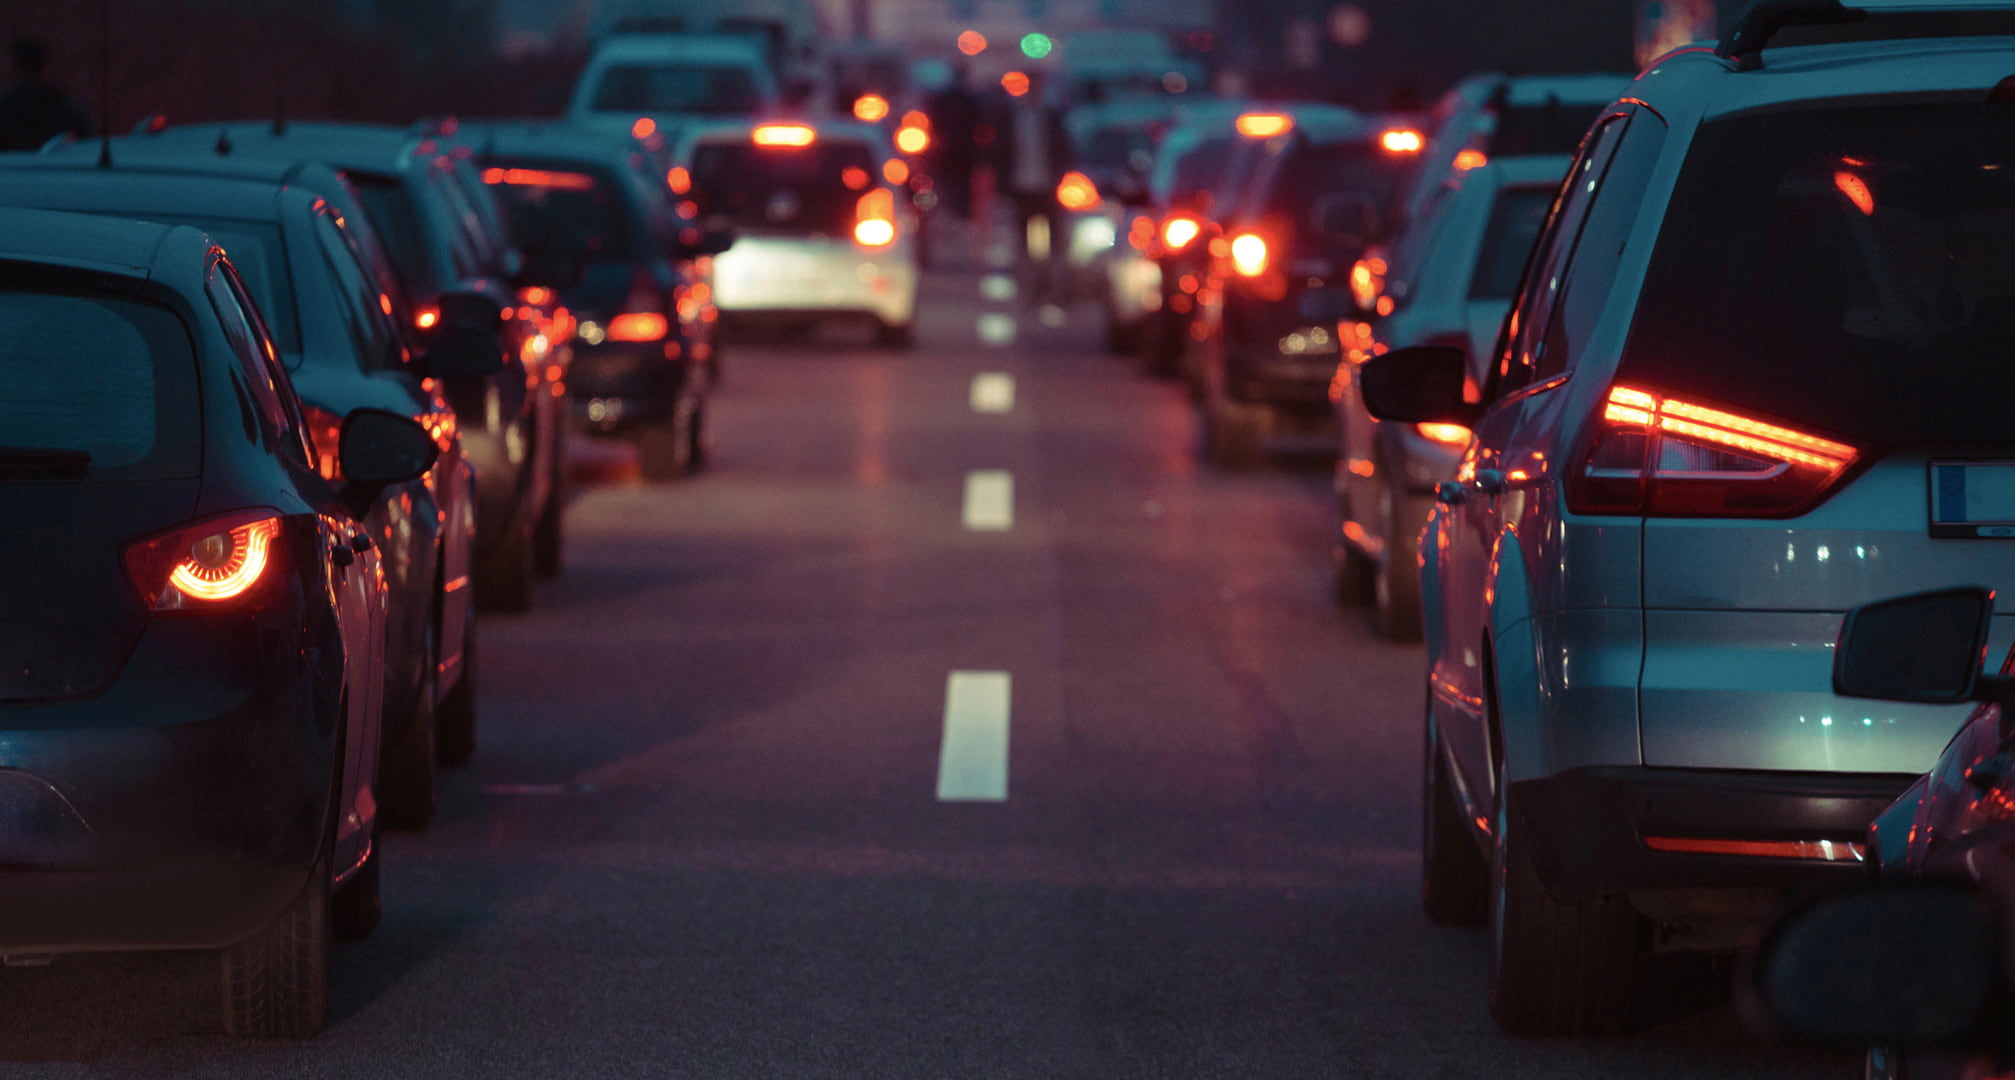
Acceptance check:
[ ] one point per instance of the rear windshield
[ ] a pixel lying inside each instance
(561, 206)
(94, 388)
(1844, 268)
(1201, 170)
(800, 188)
(1119, 146)
(1552, 128)
(254, 248)
(1311, 172)
(1515, 219)
(711, 90)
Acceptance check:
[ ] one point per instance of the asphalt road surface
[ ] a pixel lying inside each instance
(704, 836)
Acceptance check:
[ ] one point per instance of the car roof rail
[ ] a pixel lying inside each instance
(1761, 21)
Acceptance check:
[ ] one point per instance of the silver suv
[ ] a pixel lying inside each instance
(1758, 373)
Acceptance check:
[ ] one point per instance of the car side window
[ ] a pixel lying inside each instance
(265, 378)
(1520, 349)
(1591, 266)
(369, 326)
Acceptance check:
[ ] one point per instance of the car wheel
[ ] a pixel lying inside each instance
(897, 336)
(276, 982)
(455, 720)
(664, 449)
(1396, 583)
(408, 770)
(354, 906)
(1455, 876)
(507, 584)
(1557, 969)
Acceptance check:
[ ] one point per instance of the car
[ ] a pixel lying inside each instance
(671, 79)
(513, 424)
(1308, 210)
(1491, 116)
(301, 256)
(1762, 319)
(192, 692)
(644, 348)
(1938, 860)
(1447, 281)
(821, 231)
(1112, 150)
(1202, 156)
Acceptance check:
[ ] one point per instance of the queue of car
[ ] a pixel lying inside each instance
(1638, 388)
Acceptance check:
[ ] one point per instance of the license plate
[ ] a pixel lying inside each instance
(1973, 499)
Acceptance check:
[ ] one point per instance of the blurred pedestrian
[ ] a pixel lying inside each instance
(1035, 152)
(955, 117)
(35, 110)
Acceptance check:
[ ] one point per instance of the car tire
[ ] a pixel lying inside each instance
(1557, 968)
(1396, 580)
(664, 449)
(1454, 875)
(354, 906)
(409, 770)
(900, 337)
(507, 585)
(455, 720)
(276, 983)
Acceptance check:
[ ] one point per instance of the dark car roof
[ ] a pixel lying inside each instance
(191, 193)
(89, 241)
(555, 140)
(356, 147)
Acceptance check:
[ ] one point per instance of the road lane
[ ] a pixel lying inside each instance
(702, 836)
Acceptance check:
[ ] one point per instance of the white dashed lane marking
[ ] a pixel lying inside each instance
(993, 392)
(973, 758)
(999, 288)
(996, 328)
(989, 501)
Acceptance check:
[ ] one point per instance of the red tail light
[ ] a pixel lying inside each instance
(875, 218)
(1178, 232)
(1666, 457)
(325, 430)
(207, 563)
(1077, 192)
(1249, 255)
(638, 326)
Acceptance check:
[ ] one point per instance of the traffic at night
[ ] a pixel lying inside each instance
(1010, 538)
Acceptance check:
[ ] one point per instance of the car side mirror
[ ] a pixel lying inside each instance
(1923, 648)
(551, 266)
(1420, 385)
(1346, 215)
(378, 448)
(1327, 305)
(1902, 964)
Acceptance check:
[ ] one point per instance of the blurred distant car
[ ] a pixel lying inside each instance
(1199, 163)
(673, 79)
(513, 423)
(645, 317)
(1310, 209)
(193, 673)
(1448, 281)
(307, 259)
(1486, 117)
(1755, 375)
(1112, 150)
(821, 232)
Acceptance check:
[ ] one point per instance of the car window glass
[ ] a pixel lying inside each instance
(1592, 265)
(1515, 219)
(564, 206)
(363, 318)
(1517, 358)
(259, 361)
(259, 256)
(680, 88)
(799, 189)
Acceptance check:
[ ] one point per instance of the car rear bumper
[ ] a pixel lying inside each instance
(615, 385)
(770, 275)
(1610, 829)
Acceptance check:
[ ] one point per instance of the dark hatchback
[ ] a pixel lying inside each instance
(190, 693)
(513, 424)
(645, 348)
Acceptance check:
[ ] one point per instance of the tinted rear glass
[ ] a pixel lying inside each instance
(1552, 128)
(680, 88)
(1311, 172)
(1200, 170)
(783, 187)
(1114, 147)
(1844, 268)
(96, 387)
(1515, 219)
(563, 206)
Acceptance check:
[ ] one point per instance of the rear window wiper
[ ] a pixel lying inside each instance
(43, 463)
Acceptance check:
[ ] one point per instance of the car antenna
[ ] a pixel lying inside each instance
(105, 85)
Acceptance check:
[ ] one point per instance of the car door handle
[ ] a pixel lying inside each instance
(1489, 481)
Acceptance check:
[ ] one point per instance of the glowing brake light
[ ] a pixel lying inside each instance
(1248, 255)
(782, 135)
(1666, 457)
(679, 179)
(871, 108)
(1367, 283)
(1263, 125)
(1402, 141)
(896, 171)
(325, 431)
(205, 563)
(875, 218)
(1446, 434)
(425, 318)
(1177, 232)
(1466, 160)
(638, 326)
(913, 140)
(545, 178)
(1077, 192)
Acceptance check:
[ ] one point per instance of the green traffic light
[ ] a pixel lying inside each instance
(1036, 46)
